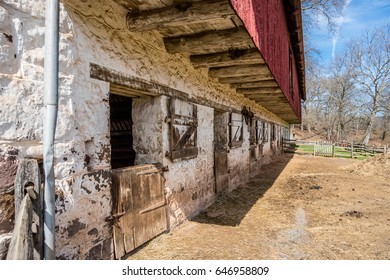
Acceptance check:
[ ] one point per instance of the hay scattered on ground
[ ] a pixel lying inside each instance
(376, 166)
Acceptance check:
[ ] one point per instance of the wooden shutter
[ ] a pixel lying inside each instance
(183, 130)
(252, 135)
(259, 132)
(236, 130)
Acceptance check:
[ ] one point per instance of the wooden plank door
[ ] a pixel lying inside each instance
(139, 210)
(260, 127)
(252, 142)
(221, 139)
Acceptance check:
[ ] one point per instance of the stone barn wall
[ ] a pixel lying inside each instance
(95, 32)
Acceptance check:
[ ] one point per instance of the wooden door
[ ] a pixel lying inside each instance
(252, 142)
(139, 208)
(221, 139)
(260, 137)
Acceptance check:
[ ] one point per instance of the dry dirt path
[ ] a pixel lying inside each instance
(299, 207)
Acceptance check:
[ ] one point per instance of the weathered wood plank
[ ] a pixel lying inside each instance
(28, 180)
(244, 79)
(229, 58)
(250, 91)
(221, 170)
(117, 208)
(27, 175)
(22, 243)
(259, 84)
(210, 42)
(142, 199)
(177, 15)
(264, 98)
(238, 71)
(129, 92)
(148, 4)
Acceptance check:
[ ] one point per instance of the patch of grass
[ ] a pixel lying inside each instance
(339, 152)
(305, 148)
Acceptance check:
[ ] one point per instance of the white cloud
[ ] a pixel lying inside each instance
(339, 22)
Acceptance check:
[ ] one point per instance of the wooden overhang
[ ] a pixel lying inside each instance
(294, 23)
(214, 37)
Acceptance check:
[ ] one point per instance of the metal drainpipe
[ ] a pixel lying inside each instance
(49, 123)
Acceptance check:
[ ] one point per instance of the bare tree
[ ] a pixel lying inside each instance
(313, 10)
(371, 56)
(343, 93)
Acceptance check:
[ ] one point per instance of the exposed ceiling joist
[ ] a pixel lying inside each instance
(244, 79)
(210, 42)
(178, 15)
(229, 58)
(265, 98)
(259, 84)
(238, 71)
(248, 91)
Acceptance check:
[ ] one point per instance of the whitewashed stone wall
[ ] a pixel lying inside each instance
(238, 162)
(94, 31)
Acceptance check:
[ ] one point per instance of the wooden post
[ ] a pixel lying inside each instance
(333, 149)
(22, 244)
(28, 181)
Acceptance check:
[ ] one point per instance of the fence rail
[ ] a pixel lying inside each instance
(332, 149)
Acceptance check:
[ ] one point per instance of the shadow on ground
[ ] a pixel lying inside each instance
(230, 208)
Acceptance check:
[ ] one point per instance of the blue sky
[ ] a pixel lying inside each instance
(359, 15)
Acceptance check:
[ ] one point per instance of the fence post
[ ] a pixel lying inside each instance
(333, 149)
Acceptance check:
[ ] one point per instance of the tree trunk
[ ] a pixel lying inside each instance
(367, 134)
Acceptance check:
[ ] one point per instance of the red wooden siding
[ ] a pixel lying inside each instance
(266, 23)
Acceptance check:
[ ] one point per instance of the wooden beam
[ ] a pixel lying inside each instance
(130, 92)
(272, 106)
(244, 79)
(238, 71)
(265, 99)
(210, 42)
(268, 101)
(259, 84)
(248, 91)
(229, 58)
(22, 244)
(181, 14)
(278, 101)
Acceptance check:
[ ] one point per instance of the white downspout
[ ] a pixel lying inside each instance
(49, 124)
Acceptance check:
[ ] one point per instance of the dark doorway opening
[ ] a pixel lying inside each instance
(122, 151)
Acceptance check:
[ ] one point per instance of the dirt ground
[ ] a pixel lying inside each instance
(299, 207)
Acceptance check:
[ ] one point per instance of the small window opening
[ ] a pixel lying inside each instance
(122, 151)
